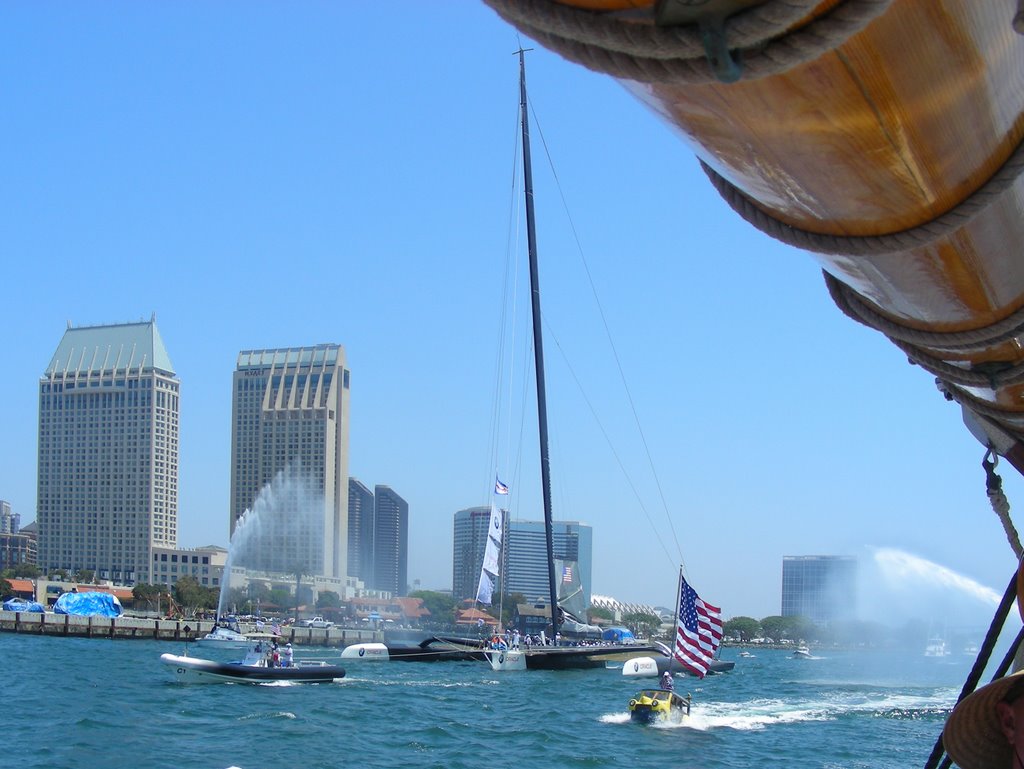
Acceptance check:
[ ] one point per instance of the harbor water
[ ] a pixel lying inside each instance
(77, 703)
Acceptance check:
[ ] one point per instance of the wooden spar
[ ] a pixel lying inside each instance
(908, 122)
(538, 345)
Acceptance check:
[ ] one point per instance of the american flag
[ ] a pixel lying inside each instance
(699, 633)
(567, 574)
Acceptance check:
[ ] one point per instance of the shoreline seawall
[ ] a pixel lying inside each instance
(34, 623)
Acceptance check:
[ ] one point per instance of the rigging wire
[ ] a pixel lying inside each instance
(611, 342)
(608, 439)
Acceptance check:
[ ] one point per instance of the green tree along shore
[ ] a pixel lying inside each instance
(776, 629)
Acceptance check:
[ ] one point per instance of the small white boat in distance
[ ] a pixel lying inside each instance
(802, 652)
(228, 635)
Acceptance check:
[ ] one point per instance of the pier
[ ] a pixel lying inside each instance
(34, 623)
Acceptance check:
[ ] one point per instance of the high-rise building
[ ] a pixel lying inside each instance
(360, 531)
(108, 452)
(289, 427)
(524, 555)
(528, 556)
(819, 587)
(390, 541)
(10, 521)
(469, 540)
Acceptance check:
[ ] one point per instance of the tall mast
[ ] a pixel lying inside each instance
(538, 345)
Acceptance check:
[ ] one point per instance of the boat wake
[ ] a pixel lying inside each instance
(267, 716)
(762, 714)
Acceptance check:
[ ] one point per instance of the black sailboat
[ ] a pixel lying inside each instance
(550, 656)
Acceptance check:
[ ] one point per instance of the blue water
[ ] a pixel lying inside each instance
(86, 703)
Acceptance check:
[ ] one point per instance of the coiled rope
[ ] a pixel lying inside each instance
(874, 245)
(971, 340)
(762, 38)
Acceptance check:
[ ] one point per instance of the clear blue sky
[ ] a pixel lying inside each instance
(271, 174)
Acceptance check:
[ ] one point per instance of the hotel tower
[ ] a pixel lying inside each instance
(108, 452)
(289, 425)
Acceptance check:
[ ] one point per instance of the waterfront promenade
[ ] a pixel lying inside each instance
(126, 627)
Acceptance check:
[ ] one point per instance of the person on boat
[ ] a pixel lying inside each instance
(986, 729)
(666, 681)
(287, 659)
(515, 639)
(275, 656)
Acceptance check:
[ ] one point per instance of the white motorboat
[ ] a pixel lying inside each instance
(228, 635)
(254, 668)
(802, 652)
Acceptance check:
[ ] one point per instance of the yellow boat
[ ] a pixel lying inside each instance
(659, 705)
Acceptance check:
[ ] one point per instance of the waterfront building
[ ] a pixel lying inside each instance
(289, 426)
(107, 481)
(819, 587)
(390, 541)
(378, 538)
(10, 521)
(527, 571)
(620, 609)
(469, 539)
(16, 549)
(360, 531)
(204, 564)
(524, 559)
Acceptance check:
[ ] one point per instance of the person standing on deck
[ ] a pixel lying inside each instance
(666, 681)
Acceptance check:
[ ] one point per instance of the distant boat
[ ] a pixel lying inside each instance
(229, 635)
(802, 652)
(936, 647)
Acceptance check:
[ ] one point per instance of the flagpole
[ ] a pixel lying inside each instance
(675, 629)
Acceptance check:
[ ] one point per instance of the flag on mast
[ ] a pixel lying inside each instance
(499, 487)
(698, 632)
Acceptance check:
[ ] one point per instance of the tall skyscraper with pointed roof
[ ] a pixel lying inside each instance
(107, 489)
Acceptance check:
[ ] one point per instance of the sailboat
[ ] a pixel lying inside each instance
(549, 656)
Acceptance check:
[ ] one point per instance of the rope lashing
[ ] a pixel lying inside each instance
(996, 497)
(874, 245)
(911, 340)
(971, 340)
(1010, 420)
(763, 38)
